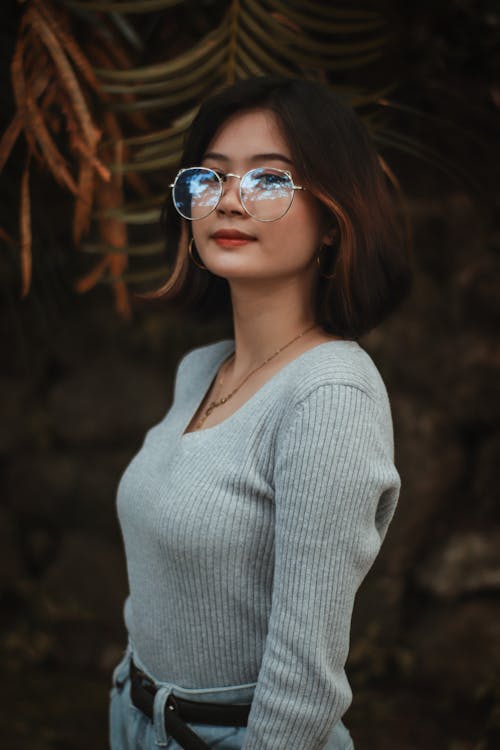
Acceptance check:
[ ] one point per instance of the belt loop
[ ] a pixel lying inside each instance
(121, 670)
(160, 699)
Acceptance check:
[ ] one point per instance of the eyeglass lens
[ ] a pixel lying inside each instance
(266, 193)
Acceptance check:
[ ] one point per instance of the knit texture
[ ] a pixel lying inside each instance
(246, 542)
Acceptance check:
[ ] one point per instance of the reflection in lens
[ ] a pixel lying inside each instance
(196, 193)
(266, 193)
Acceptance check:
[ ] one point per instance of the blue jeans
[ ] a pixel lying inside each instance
(130, 729)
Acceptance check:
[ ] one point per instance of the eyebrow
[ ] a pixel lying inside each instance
(254, 158)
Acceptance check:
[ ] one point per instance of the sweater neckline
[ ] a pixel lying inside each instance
(226, 353)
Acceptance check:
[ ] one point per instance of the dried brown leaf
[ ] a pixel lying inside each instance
(25, 230)
(122, 299)
(54, 159)
(112, 231)
(83, 203)
(26, 91)
(50, 96)
(80, 147)
(90, 279)
(20, 92)
(118, 263)
(69, 44)
(112, 130)
(118, 161)
(67, 77)
(9, 138)
(102, 57)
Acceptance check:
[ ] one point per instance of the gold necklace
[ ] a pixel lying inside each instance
(223, 400)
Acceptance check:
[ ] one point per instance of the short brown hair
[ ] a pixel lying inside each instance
(336, 160)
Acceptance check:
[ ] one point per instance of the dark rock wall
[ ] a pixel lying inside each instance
(425, 628)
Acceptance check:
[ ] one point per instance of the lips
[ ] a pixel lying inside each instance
(229, 238)
(232, 234)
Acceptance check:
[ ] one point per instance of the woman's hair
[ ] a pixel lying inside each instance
(336, 161)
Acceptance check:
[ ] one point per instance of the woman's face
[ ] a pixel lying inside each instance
(279, 249)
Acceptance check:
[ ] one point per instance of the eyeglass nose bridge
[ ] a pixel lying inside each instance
(223, 179)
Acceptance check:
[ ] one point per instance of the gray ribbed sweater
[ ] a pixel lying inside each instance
(246, 542)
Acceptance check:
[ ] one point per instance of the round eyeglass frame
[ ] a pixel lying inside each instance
(221, 180)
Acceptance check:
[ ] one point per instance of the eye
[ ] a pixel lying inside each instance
(218, 172)
(272, 178)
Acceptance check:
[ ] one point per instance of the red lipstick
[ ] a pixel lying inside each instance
(232, 238)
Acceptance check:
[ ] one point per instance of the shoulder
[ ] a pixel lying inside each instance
(339, 365)
(338, 382)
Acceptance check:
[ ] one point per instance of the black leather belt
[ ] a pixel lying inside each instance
(179, 710)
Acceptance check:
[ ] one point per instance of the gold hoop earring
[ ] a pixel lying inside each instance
(190, 253)
(325, 276)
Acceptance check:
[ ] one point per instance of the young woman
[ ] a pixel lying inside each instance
(255, 508)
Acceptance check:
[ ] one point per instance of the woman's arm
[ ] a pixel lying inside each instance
(336, 490)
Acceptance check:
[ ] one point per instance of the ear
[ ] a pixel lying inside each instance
(330, 236)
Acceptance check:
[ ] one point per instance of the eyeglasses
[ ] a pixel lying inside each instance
(266, 193)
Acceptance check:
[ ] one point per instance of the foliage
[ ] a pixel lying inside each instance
(108, 122)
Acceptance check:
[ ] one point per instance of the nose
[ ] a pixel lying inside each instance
(230, 202)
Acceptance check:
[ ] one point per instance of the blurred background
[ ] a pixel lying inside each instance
(94, 100)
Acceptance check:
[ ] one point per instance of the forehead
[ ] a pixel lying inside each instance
(245, 134)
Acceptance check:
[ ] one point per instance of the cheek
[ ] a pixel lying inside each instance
(303, 233)
(292, 248)
(200, 230)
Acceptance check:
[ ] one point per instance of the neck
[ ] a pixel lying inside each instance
(267, 314)
(271, 348)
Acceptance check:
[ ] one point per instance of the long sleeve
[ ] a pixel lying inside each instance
(336, 490)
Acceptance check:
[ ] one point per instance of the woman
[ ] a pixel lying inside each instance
(255, 508)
